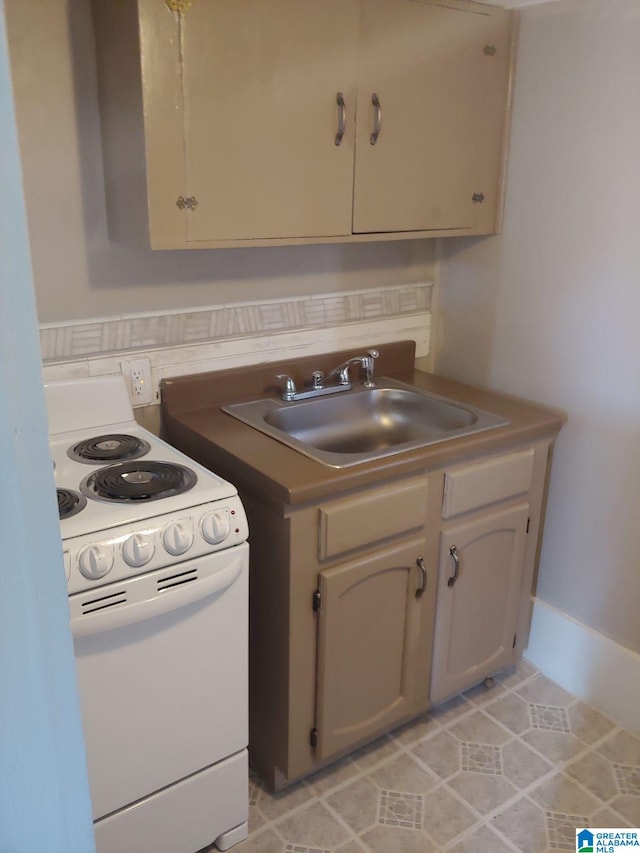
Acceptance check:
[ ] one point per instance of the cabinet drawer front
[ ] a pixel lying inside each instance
(487, 482)
(359, 521)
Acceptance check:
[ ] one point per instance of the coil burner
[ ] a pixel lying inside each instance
(70, 502)
(114, 447)
(126, 482)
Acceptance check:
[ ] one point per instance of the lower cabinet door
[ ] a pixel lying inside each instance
(479, 580)
(373, 645)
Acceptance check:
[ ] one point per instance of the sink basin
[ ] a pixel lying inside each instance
(361, 425)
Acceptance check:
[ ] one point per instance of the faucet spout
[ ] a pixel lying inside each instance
(365, 361)
(321, 384)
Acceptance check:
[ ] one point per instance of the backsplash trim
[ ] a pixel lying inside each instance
(161, 329)
(412, 321)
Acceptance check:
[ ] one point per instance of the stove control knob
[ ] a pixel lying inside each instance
(177, 537)
(137, 550)
(215, 526)
(95, 561)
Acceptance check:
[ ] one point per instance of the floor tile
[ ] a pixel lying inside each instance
(481, 694)
(524, 823)
(481, 840)
(332, 776)
(478, 728)
(484, 793)
(517, 772)
(595, 773)
(514, 675)
(561, 794)
(403, 774)
(415, 729)
(544, 692)
(400, 809)
(256, 819)
(556, 746)
(607, 817)
(521, 765)
(273, 806)
(512, 712)
(312, 826)
(445, 817)
(373, 753)
(587, 723)
(561, 829)
(440, 753)
(355, 846)
(357, 804)
(451, 709)
(385, 839)
(621, 747)
(629, 807)
(264, 842)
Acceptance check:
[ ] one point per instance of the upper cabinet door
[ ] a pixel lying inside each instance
(261, 85)
(431, 116)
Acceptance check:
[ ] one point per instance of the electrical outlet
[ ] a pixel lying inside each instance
(137, 372)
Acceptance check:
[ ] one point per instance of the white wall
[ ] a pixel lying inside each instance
(44, 795)
(78, 273)
(550, 310)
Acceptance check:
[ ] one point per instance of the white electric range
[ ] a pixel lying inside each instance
(156, 558)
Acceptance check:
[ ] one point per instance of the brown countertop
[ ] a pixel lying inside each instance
(261, 465)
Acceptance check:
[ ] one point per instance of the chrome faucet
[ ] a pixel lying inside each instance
(319, 380)
(342, 371)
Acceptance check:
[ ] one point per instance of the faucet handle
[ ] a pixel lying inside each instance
(373, 353)
(289, 391)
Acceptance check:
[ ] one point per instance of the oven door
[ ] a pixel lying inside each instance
(162, 675)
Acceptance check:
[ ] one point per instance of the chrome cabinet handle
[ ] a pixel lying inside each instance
(342, 117)
(377, 120)
(423, 577)
(456, 565)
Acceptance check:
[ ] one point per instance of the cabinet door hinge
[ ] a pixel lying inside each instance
(528, 525)
(187, 203)
(515, 637)
(316, 601)
(313, 738)
(178, 5)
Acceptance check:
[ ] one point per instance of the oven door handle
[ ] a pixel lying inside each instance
(160, 603)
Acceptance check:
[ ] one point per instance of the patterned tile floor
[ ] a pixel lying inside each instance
(513, 768)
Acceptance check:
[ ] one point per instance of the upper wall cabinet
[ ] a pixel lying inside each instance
(238, 122)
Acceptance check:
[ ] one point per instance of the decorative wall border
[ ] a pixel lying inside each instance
(85, 339)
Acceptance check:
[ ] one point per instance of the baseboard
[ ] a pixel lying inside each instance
(593, 667)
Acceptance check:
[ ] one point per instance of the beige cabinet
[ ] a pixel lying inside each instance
(485, 566)
(240, 122)
(370, 645)
(342, 596)
(480, 576)
(433, 89)
(261, 85)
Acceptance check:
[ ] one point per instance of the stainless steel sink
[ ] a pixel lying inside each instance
(361, 425)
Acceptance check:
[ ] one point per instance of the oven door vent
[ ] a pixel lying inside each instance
(177, 579)
(104, 602)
